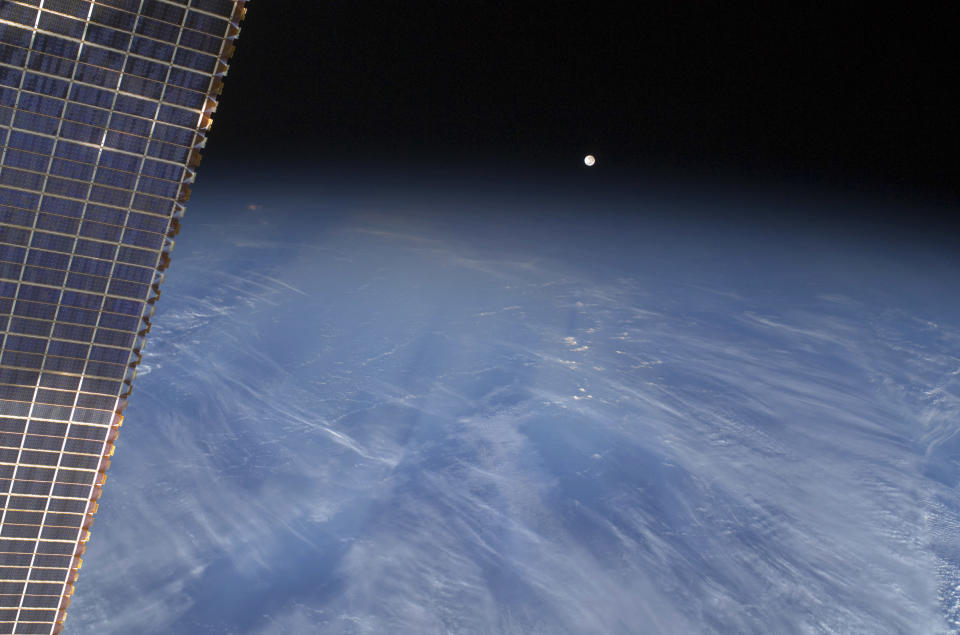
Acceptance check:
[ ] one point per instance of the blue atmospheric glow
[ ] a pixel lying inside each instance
(373, 417)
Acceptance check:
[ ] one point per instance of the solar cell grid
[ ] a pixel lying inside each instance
(103, 107)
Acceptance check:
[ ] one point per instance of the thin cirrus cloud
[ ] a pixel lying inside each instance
(390, 427)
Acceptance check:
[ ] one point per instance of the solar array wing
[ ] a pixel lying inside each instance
(104, 106)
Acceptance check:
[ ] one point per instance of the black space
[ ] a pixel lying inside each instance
(787, 92)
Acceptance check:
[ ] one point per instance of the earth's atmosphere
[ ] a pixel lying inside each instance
(394, 413)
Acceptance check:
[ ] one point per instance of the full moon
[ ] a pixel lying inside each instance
(589, 160)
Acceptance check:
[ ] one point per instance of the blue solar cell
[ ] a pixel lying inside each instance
(220, 7)
(66, 187)
(132, 125)
(162, 11)
(30, 142)
(31, 122)
(76, 316)
(61, 24)
(120, 161)
(111, 38)
(18, 199)
(73, 491)
(81, 300)
(92, 96)
(37, 294)
(90, 266)
(43, 276)
(81, 132)
(110, 196)
(160, 170)
(201, 42)
(95, 249)
(206, 23)
(189, 79)
(53, 45)
(195, 60)
(47, 259)
(146, 68)
(166, 189)
(132, 273)
(126, 5)
(126, 307)
(52, 242)
(15, 236)
(115, 178)
(178, 116)
(49, 106)
(74, 151)
(102, 386)
(71, 169)
(8, 289)
(136, 106)
(135, 256)
(120, 322)
(15, 35)
(36, 123)
(10, 253)
(148, 240)
(21, 178)
(106, 16)
(8, 96)
(109, 215)
(100, 231)
(10, 271)
(147, 223)
(81, 282)
(35, 327)
(26, 160)
(58, 364)
(61, 206)
(72, 460)
(18, 13)
(97, 76)
(22, 360)
(72, 332)
(158, 30)
(68, 349)
(183, 97)
(139, 86)
(57, 223)
(152, 49)
(51, 65)
(170, 152)
(75, 445)
(128, 289)
(45, 85)
(78, 8)
(85, 432)
(102, 57)
(9, 77)
(25, 344)
(113, 355)
(86, 114)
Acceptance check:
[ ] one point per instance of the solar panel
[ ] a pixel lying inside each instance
(104, 106)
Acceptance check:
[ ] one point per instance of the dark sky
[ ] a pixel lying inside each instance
(764, 91)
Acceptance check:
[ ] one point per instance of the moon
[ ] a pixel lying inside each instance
(589, 160)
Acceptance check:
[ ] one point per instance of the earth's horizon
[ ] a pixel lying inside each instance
(496, 414)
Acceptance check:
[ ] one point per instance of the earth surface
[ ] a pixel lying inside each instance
(406, 409)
